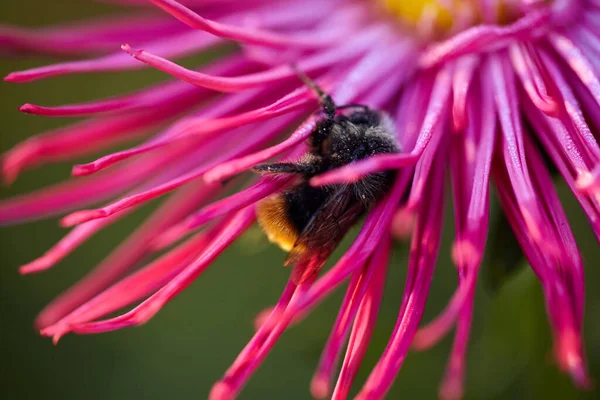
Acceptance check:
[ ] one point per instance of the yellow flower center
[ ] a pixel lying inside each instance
(412, 12)
(439, 17)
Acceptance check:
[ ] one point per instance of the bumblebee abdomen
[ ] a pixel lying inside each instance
(284, 215)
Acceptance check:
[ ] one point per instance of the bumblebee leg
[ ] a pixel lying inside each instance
(325, 100)
(285, 168)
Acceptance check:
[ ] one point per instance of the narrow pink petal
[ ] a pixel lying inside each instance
(156, 96)
(67, 244)
(389, 56)
(272, 76)
(578, 63)
(86, 36)
(574, 112)
(134, 287)
(240, 34)
(170, 46)
(412, 108)
(452, 387)
(236, 225)
(561, 278)
(424, 250)
(68, 195)
(227, 169)
(529, 68)
(501, 79)
(253, 194)
(483, 38)
(471, 208)
(357, 289)
(320, 384)
(572, 264)
(362, 329)
(423, 167)
(72, 141)
(90, 136)
(203, 128)
(552, 134)
(124, 257)
(461, 82)
(243, 144)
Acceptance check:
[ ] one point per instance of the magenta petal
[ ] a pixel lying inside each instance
(124, 257)
(132, 288)
(244, 35)
(201, 128)
(228, 169)
(241, 199)
(529, 68)
(147, 309)
(578, 63)
(171, 46)
(461, 82)
(269, 77)
(355, 294)
(485, 37)
(84, 37)
(158, 96)
(362, 329)
(424, 250)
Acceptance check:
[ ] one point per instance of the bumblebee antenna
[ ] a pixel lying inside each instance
(325, 100)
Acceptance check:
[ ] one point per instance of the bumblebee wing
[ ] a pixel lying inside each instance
(322, 234)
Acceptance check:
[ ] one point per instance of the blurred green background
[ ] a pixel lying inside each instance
(190, 343)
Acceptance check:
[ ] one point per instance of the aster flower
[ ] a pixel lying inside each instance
(479, 90)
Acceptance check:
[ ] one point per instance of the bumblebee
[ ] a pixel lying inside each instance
(309, 222)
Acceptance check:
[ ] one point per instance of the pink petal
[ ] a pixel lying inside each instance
(153, 97)
(240, 34)
(482, 38)
(236, 225)
(530, 69)
(217, 149)
(578, 63)
(86, 36)
(170, 46)
(68, 195)
(124, 257)
(360, 336)
(227, 169)
(424, 249)
(471, 208)
(312, 63)
(134, 287)
(202, 128)
(461, 82)
(244, 198)
(357, 289)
